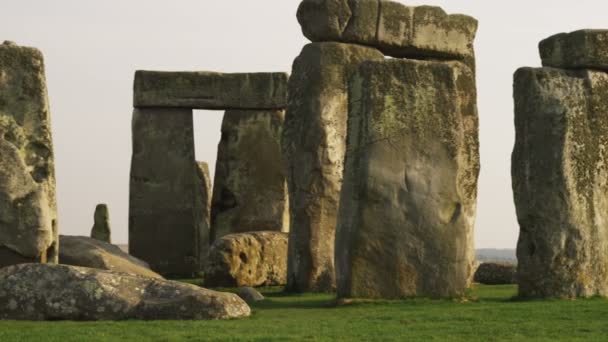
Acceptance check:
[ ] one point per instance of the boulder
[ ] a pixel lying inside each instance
(314, 139)
(493, 273)
(560, 181)
(203, 208)
(93, 253)
(583, 49)
(408, 202)
(250, 295)
(28, 210)
(393, 28)
(101, 227)
(210, 90)
(250, 190)
(248, 259)
(60, 292)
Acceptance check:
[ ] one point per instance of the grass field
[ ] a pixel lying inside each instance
(489, 315)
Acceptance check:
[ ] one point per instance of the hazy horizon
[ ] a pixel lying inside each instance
(92, 49)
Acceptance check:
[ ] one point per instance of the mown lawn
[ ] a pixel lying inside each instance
(490, 314)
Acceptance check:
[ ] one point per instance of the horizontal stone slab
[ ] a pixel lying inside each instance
(395, 29)
(583, 49)
(210, 90)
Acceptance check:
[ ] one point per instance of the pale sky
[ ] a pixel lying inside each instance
(93, 47)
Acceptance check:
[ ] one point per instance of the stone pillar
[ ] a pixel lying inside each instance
(162, 212)
(101, 228)
(407, 211)
(28, 206)
(203, 193)
(559, 168)
(314, 138)
(250, 191)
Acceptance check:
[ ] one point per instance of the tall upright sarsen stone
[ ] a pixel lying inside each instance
(28, 206)
(314, 138)
(407, 210)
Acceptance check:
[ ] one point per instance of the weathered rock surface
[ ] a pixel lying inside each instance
(250, 295)
(93, 253)
(492, 273)
(314, 139)
(210, 90)
(28, 214)
(60, 292)
(203, 195)
(560, 182)
(163, 218)
(408, 201)
(395, 29)
(250, 190)
(101, 227)
(583, 49)
(248, 259)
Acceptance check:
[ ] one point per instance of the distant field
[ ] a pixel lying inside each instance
(489, 315)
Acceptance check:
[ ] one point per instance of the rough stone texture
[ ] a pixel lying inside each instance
(163, 227)
(203, 209)
(395, 29)
(210, 90)
(408, 201)
(250, 190)
(28, 208)
(93, 253)
(586, 49)
(560, 182)
(101, 227)
(248, 259)
(250, 295)
(314, 139)
(60, 292)
(492, 273)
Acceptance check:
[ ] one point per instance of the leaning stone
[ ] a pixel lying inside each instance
(393, 28)
(583, 49)
(203, 194)
(101, 228)
(28, 209)
(250, 295)
(250, 192)
(248, 259)
(314, 139)
(209, 90)
(93, 253)
(493, 273)
(60, 292)
(560, 182)
(408, 201)
(163, 223)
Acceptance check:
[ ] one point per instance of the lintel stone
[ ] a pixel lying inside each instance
(582, 49)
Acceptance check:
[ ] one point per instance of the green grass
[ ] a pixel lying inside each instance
(489, 315)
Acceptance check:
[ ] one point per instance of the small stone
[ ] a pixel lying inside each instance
(101, 228)
(491, 273)
(250, 295)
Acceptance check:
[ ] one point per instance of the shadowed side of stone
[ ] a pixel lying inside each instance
(101, 228)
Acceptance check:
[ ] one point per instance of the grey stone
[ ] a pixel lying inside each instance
(203, 195)
(393, 28)
(583, 49)
(250, 295)
(210, 90)
(101, 227)
(314, 139)
(60, 292)
(93, 253)
(250, 190)
(248, 259)
(407, 208)
(494, 273)
(560, 182)
(28, 208)
(163, 218)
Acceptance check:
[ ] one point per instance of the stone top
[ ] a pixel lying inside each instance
(210, 90)
(395, 29)
(582, 49)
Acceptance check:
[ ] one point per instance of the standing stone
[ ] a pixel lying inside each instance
(101, 228)
(162, 215)
(250, 191)
(28, 207)
(314, 138)
(560, 182)
(203, 193)
(408, 202)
